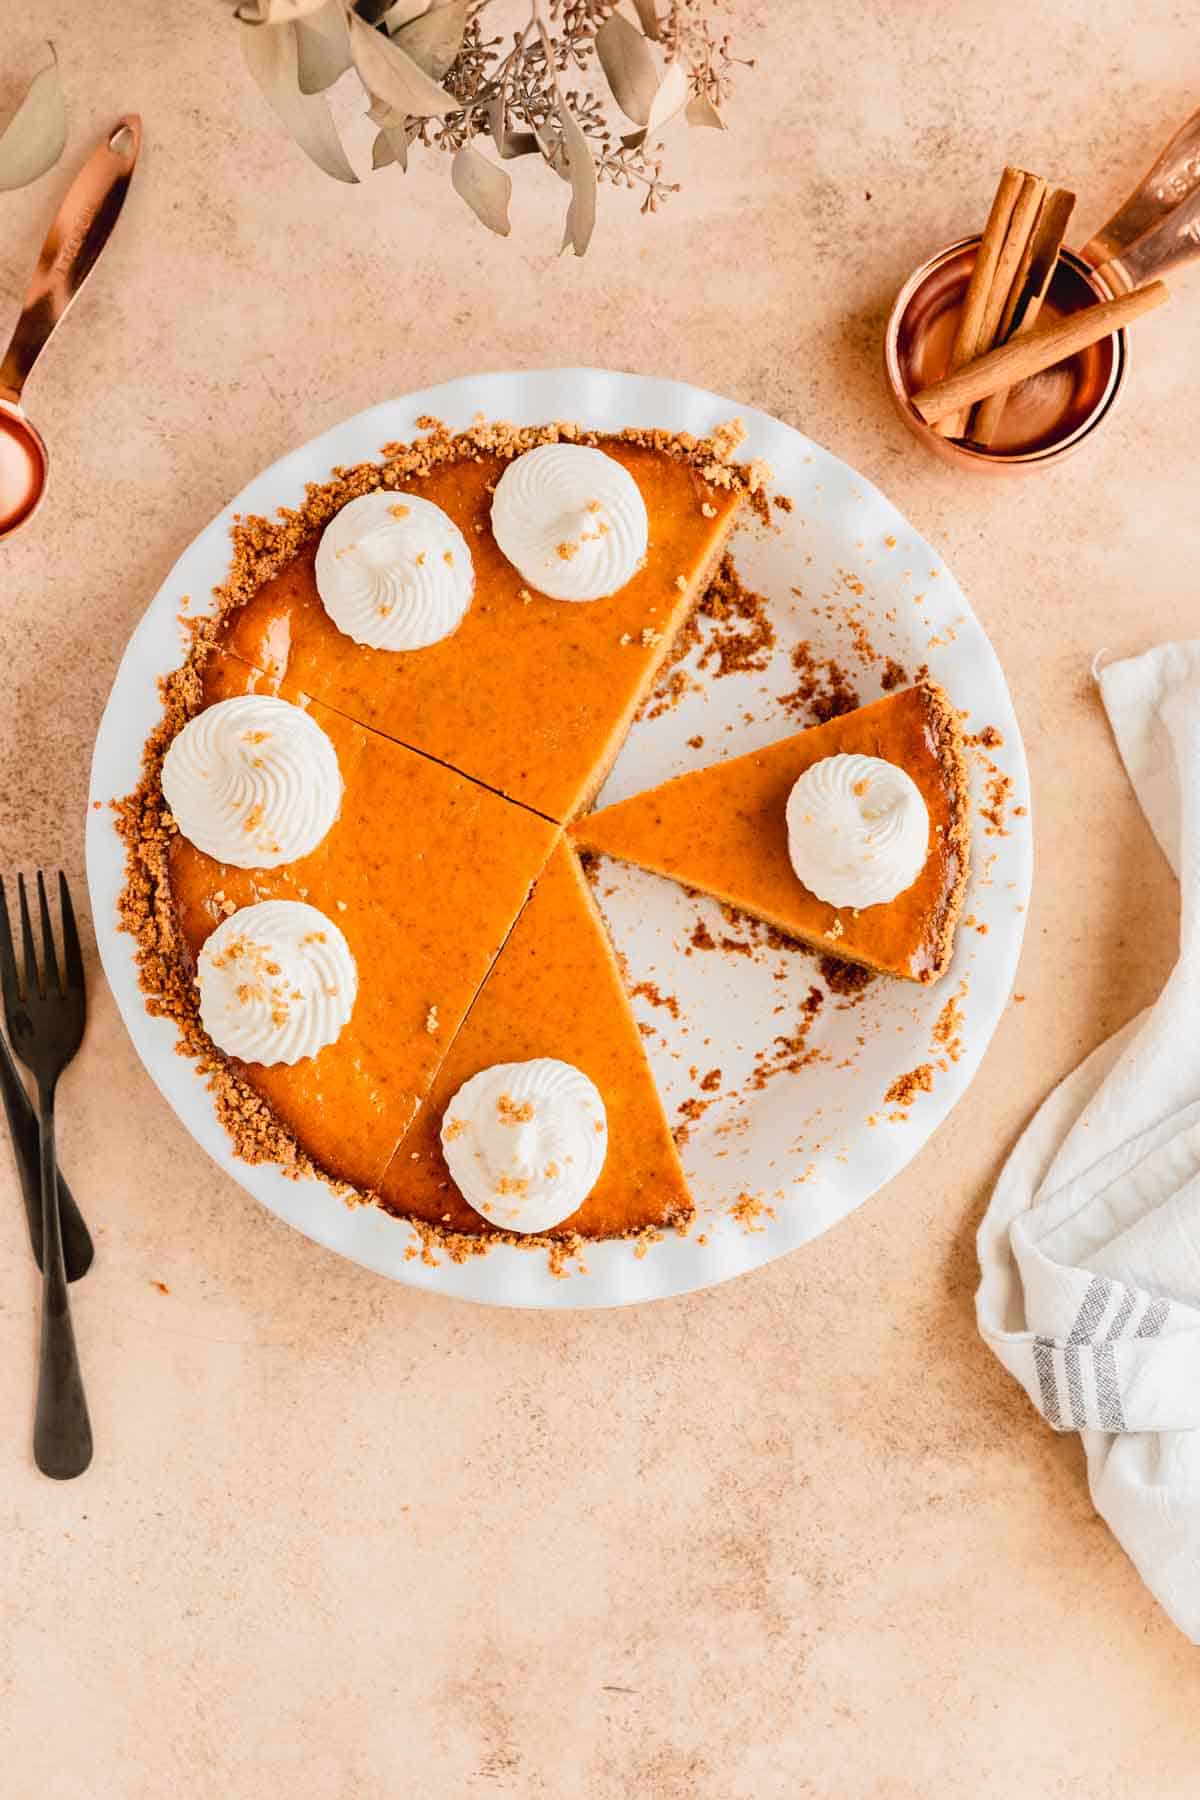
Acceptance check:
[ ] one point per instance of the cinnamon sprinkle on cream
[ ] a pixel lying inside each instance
(513, 1112)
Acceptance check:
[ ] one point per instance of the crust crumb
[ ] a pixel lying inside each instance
(904, 1090)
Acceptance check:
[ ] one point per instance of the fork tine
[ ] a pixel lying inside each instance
(49, 956)
(72, 954)
(33, 982)
(8, 956)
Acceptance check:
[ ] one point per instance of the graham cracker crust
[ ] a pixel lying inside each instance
(947, 726)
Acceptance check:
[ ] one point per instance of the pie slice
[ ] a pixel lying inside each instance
(424, 872)
(555, 990)
(531, 696)
(723, 830)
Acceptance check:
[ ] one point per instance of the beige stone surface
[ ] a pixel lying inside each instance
(796, 1536)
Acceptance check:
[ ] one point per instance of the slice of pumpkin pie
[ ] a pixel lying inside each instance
(852, 836)
(553, 1011)
(503, 602)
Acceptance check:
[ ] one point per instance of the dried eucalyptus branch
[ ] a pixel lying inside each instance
(581, 85)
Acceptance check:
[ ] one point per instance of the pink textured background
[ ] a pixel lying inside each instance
(798, 1536)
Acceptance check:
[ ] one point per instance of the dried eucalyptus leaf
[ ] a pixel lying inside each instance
(509, 143)
(701, 111)
(400, 137)
(33, 139)
(518, 143)
(393, 17)
(273, 59)
(581, 213)
(633, 140)
(485, 188)
(435, 39)
(391, 145)
(323, 44)
(647, 12)
(671, 97)
(554, 151)
(391, 75)
(628, 64)
(276, 12)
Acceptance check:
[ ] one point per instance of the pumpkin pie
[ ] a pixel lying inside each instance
(723, 831)
(424, 872)
(531, 696)
(554, 991)
(474, 935)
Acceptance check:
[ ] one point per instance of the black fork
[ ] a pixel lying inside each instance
(45, 1011)
(78, 1250)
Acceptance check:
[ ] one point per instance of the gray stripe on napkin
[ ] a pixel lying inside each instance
(1043, 1362)
(1095, 1304)
(1122, 1315)
(1108, 1389)
(1153, 1319)
(1074, 1386)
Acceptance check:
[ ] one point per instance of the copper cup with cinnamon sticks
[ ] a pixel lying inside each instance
(1012, 303)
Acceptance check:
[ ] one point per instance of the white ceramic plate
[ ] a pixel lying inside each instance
(811, 1144)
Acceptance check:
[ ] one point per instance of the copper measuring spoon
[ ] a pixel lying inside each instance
(1158, 226)
(80, 231)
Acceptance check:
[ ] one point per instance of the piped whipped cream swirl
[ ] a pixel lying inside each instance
(253, 781)
(525, 1142)
(858, 830)
(277, 982)
(394, 571)
(571, 520)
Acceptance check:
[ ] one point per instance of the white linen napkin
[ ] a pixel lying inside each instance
(1090, 1247)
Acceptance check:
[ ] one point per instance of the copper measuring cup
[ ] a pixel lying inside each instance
(80, 231)
(1157, 228)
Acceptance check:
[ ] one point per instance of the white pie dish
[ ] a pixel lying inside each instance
(810, 1149)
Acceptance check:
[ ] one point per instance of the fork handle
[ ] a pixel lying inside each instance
(78, 1250)
(62, 1430)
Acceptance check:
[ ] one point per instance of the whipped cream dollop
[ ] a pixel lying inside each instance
(525, 1142)
(253, 781)
(571, 520)
(858, 830)
(394, 571)
(277, 982)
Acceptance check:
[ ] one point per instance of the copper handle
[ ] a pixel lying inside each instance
(1174, 239)
(1171, 179)
(80, 231)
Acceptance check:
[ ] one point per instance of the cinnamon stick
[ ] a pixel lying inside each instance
(966, 337)
(1025, 298)
(1008, 264)
(1013, 259)
(1034, 351)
